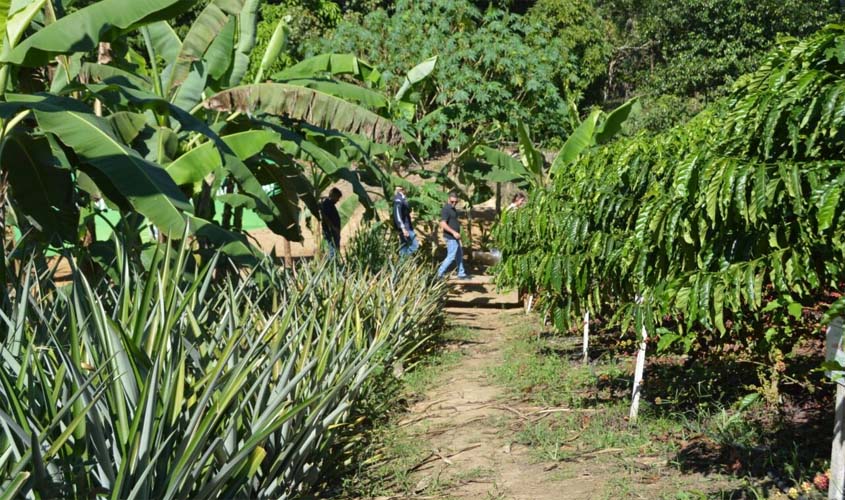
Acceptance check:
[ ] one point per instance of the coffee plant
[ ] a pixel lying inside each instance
(724, 226)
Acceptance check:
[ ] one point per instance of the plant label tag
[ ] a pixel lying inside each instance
(834, 352)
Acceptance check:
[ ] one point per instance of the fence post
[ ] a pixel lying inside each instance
(586, 348)
(836, 487)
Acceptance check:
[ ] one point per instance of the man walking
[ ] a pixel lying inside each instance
(452, 233)
(331, 221)
(402, 222)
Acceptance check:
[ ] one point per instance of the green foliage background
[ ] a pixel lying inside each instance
(494, 67)
(685, 53)
(548, 61)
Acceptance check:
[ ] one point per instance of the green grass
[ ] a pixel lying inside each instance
(541, 372)
(589, 418)
(544, 371)
(590, 434)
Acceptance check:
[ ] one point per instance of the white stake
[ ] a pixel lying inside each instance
(586, 337)
(837, 452)
(836, 486)
(638, 379)
(529, 303)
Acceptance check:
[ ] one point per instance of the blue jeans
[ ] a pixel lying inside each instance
(333, 244)
(409, 244)
(454, 251)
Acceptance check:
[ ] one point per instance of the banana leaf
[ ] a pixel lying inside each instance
(612, 125)
(43, 190)
(333, 65)
(417, 74)
(308, 105)
(144, 184)
(582, 138)
(207, 27)
(82, 30)
(248, 23)
(197, 163)
(165, 41)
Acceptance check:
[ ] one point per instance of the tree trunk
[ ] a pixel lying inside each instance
(90, 232)
(205, 202)
(239, 219)
(431, 242)
(468, 248)
(103, 57)
(226, 219)
(836, 486)
(499, 193)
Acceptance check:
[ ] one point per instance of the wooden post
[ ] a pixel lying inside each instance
(586, 358)
(288, 253)
(638, 379)
(836, 486)
(499, 193)
(468, 249)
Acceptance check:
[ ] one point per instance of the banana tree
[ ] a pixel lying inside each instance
(218, 44)
(156, 117)
(33, 152)
(357, 130)
(304, 106)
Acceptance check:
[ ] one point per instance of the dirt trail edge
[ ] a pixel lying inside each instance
(461, 421)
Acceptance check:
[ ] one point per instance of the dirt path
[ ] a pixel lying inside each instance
(471, 431)
(464, 418)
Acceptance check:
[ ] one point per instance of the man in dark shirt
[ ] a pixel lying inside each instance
(402, 222)
(452, 233)
(331, 221)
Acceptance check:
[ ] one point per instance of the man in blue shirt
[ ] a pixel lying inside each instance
(452, 234)
(331, 221)
(402, 222)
